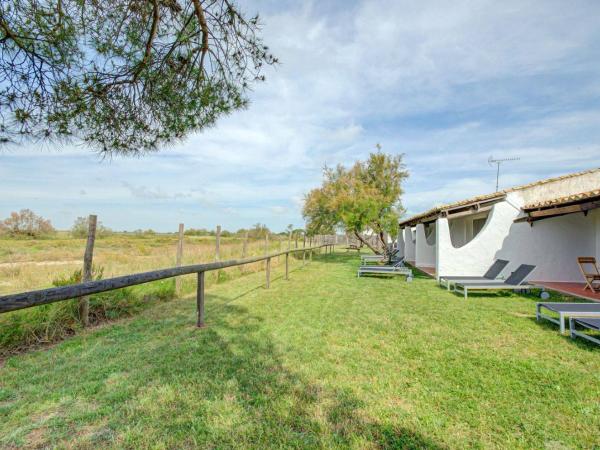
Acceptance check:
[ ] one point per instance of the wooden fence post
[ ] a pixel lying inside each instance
(303, 257)
(88, 256)
(304, 240)
(200, 300)
(178, 260)
(245, 246)
(290, 240)
(267, 244)
(296, 240)
(218, 244)
(268, 269)
(287, 266)
(244, 251)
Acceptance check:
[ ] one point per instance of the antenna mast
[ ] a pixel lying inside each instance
(492, 161)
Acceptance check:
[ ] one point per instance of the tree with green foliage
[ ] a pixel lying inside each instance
(124, 76)
(258, 231)
(363, 198)
(81, 226)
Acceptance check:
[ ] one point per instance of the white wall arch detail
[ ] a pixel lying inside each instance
(476, 256)
(552, 244)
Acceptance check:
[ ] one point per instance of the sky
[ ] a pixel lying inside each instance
(447, 87)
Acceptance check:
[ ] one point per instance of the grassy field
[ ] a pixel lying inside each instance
(27, 264)
(324, 360)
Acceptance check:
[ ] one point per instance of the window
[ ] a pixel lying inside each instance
(478, 225)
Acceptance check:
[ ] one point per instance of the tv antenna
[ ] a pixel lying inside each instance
(492, 161)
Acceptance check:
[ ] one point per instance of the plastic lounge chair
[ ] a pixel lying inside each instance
(590, 324)
(383, 262)
(565, 310)
(377, 258)
(399, 262)
(591, 273)
(397, 269)
(516, 280)
(393, 265)
(491, 274)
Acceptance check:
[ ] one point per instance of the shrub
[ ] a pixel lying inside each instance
(26, 223)
(199, 232)
(81, 225)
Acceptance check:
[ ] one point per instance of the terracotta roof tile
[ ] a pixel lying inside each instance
(438, 209)
(501, 194)
(564, 200)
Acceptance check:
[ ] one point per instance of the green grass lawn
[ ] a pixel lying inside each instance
(324, 360)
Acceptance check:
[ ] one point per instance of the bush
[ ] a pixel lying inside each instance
(81, 225)
(26, 223)
(29, 328)
(199, 232)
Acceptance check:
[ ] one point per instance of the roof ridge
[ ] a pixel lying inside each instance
(551, 180)
(437, 209)
(564, 199)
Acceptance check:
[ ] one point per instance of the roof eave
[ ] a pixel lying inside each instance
(448, 211)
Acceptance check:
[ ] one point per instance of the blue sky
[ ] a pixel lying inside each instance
(447, 87)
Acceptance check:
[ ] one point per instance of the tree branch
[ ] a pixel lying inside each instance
(151, 37)
(204, 28)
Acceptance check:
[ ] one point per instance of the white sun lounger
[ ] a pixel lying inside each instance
(377, 258)
(491, 274)
(566, 310)
(397, 269)
(515, 281)
(590, 324)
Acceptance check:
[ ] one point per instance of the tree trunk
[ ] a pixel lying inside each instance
(384, 244)
(367, 243)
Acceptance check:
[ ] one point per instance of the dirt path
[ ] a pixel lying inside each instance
(11, 265)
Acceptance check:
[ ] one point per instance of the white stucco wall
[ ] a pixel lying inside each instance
(400, 242)
(596, 214)
(474, 257)
(552, 245)
(409, 245)
(424, 252)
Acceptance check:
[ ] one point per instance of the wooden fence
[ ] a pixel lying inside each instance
(30, 299)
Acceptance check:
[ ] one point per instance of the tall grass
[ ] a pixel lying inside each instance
(28, 264)
(34, 264)
(46, 324)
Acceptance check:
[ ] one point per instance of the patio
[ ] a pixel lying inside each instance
(573, 289)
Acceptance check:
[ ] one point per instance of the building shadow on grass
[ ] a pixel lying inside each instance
(163, 383)
(280, 408)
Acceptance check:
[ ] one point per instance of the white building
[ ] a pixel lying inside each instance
(548, 223)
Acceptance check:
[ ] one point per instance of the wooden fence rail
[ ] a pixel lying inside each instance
(30, 299)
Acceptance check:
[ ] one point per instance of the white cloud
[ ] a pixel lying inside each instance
(448, 86)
